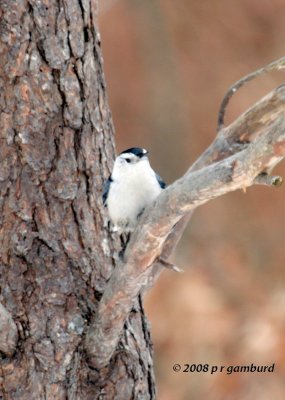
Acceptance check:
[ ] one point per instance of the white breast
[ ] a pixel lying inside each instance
(130, 193)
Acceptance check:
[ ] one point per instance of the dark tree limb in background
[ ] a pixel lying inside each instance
(237, 159)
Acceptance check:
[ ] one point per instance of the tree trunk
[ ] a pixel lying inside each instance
(55, 250)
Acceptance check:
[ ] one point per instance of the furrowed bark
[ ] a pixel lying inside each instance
(254, 143)
(56, 150)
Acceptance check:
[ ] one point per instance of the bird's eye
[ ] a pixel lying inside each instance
(128, 160)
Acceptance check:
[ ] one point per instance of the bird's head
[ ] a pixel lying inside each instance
(130, 160)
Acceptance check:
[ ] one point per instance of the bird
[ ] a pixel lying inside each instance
(130, 188)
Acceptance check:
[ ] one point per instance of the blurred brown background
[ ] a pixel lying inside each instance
(168, 64)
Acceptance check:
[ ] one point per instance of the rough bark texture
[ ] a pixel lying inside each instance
(55, 251)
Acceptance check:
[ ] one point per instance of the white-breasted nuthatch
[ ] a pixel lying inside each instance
(131, 187)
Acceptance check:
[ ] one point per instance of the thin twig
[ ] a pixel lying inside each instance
(275, 65)
(169, 265)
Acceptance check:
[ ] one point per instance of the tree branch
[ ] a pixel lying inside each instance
(8, 332)
(275, 65)
(254, 143)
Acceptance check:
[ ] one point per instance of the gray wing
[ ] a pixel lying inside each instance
(161, 182)
(106, 190)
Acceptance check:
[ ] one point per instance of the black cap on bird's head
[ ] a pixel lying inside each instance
(137, 151)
